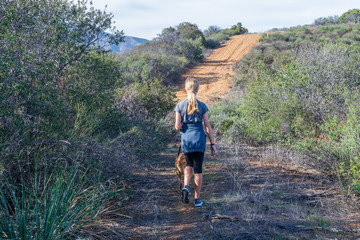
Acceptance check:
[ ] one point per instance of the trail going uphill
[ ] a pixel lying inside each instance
(248, 192)
(216, 71)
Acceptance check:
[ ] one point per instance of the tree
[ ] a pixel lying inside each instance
(212, 30)
(327, 20)
(185, 39)
(191, 31)
(239, 28)
(168, 37)
(350, 16)
(40, 40)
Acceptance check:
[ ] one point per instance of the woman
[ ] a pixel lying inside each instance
(190, 113)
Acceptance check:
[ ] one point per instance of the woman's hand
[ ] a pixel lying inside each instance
(213, 150)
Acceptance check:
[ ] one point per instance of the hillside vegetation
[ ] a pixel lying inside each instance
(302, 91)
(75, 120)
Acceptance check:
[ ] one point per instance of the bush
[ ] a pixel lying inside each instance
(315, 81)
(184, 40)
(306, 97)
(239, 29)
(224, 115)
(263, 56)
(339, 147)
(192, 50)
(150, 100)
(143, 67)
(352, 15)
(211, 30)
(215, 40)
(229, 32)
(49, 49)
(211, 43)
(54, 206)
(327, 20)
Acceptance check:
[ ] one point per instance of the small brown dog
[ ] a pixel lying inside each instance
(180, 163)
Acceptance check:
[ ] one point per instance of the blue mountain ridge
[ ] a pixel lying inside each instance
(130, 42)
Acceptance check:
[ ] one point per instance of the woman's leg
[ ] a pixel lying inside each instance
(198, 182)
(198, 178)
(187, 175)
(185, 191)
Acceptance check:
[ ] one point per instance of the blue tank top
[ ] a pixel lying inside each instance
(193, 137)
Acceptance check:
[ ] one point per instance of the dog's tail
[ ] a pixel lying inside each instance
(179, 173)
(179, 151)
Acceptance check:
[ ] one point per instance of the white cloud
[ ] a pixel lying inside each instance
(147, 18)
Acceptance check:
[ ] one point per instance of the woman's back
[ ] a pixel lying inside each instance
(197, 116)
(193, 137)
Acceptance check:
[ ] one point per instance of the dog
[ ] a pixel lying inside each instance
(180, 163)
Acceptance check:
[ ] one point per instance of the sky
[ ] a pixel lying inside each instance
(147, 18)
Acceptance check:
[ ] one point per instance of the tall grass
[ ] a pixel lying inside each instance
(54, 206)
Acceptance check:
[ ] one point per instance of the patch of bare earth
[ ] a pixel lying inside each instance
(248, 193)
(216, 71)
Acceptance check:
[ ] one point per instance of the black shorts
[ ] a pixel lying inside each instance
(195, 160)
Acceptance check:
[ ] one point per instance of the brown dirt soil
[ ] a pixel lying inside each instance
(216, 71)
(247, 194)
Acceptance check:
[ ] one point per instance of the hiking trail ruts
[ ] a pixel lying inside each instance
(216, 71)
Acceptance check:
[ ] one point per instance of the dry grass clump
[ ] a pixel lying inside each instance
(285, 157)
(276, 195)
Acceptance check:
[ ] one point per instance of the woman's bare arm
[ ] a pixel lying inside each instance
(178, 124)
(208, 128)
(209, 132)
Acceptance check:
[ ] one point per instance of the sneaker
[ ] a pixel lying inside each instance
(185, 193)
(198, 203)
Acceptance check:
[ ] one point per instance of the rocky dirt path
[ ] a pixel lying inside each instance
(216, 71)
(247, 193)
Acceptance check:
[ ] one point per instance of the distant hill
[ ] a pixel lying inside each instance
(130, 42)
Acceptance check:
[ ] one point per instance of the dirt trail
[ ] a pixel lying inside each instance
(216, 71)
(248, 192)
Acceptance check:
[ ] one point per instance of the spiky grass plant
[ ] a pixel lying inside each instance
(53, 207)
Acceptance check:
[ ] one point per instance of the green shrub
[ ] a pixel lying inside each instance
(221, 36)
(216, 39)
(52, 207)
(239, 29)
(154, 97)
(272, 113)
(211, 30)
(191, 49)
(43, 44)
(228, 121)
(327, 20)
(305, 96)
(229, 32)
(340, 145)
(211, 43)
(143, 66)
(352, 15)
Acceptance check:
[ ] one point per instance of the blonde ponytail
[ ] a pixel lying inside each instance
(192, 107)
(192, 86)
